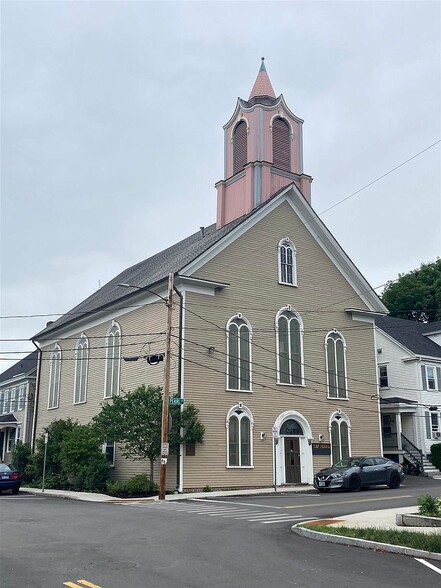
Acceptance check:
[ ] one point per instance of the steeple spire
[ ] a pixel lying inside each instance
(262, 85)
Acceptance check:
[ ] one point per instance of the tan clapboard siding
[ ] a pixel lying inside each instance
(143, 332)
(250, 266)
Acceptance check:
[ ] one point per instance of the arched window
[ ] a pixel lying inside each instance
(240, 146)
(54, 378)
(291, 427)
(340, 438)
(81, 366)
(289, 344)
(238, 354)
(113, 361)
(239, 437)
(281, 144)
(336, 365)
(287, 263)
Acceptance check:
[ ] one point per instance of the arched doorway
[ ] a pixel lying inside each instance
(292, 452)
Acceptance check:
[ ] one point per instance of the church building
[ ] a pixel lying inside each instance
(273, 328)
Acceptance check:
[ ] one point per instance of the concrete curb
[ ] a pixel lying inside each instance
(318, 536)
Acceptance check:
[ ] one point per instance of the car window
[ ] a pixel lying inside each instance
(381, 460)
(4, 468)
(369, 461)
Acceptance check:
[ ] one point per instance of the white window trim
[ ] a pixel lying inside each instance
(288, 308)
(386, 365)
(435, 374)
(109, 333)
(340, 417)
(247, 413)
(82, 343)
(239, 316)
(345, 398)
(54, 385)
(104, 450)
(290, 243)
(21, 398)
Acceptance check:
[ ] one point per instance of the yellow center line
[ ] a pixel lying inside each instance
(80, 584)
(330, 504)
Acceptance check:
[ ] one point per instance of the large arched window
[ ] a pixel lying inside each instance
(281, 144)
(239, 425)
(113, 361)
(238, 354)
(54, 378)
(289, 344)
(340, 437)
(240, 146)
(81, 367)
(336, 365)
(287, 263)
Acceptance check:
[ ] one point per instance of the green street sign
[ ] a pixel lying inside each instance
(175, 401)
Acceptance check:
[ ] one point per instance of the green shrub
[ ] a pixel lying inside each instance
(93, 475)
(21, 459)
(207, 488)
(428, 506)
(436, 455)
(56, 431)
(139, 485)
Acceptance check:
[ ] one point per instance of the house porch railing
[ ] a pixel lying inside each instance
(412, 452)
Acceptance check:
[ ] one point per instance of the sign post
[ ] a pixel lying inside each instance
(46, 439)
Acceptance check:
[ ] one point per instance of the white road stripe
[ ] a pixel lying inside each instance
(246, 513)
(429, 565)
(281, 521)
(231, 502)
(275, 517)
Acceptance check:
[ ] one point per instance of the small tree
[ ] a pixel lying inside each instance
(56, 432)
(135, 421)
(22, 460)
(435, 455)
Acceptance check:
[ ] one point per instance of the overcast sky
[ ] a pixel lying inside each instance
(112, 142)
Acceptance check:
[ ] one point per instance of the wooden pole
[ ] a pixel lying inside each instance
(166, 393)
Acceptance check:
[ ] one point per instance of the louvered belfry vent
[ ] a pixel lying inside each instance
(281, 144)
(239, 147)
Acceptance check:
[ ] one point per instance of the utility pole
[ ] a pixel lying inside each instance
(166, 393)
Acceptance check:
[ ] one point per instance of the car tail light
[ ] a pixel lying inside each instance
(15, 476)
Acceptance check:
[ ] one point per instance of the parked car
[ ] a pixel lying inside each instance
(354, 473)
(10, 478)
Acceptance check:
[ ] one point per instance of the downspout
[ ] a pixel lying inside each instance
(36, 395)
(181, 313)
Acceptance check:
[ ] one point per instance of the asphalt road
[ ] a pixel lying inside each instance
(246, 542)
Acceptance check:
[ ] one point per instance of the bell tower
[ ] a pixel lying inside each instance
(263, 152)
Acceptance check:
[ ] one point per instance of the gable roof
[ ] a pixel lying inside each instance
(198, 247)
(23, 367)
(411, 334)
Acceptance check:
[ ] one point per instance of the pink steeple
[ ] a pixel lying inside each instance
(262, 85)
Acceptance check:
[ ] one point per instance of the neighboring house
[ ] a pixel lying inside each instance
(273, 326)
(17, 393)
(409, 372)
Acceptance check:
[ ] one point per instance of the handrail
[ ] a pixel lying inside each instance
(411, 450)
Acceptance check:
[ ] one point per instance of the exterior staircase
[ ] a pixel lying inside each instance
(430, 470)
(415, 456)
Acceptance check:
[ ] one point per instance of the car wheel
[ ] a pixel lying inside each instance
(15, 490)
(354, 484)
(394, 481)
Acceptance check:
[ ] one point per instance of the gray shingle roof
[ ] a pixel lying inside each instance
(146, 274)
(24, 366)
(411, 334)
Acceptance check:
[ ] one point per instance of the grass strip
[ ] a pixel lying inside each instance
(427, 542)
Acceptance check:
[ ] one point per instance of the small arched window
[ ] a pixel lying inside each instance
(281, 144)
(240, 146)
(239, 437)
(340, 437)
(239, 354)
(291, 427)
(113, 361)
(54, 378)
(81, 367)
(289, 332)
(336, 365)
(287, 263)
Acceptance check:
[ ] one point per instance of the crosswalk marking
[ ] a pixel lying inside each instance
(80, 584)
(227, 512)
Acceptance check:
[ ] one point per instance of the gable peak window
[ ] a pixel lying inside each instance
(287, 262)
(239, 425)
(81, 367)
(240, 146)
(238, 353)
(281, 144)
(336, 365)
(289, 344)
(54, 377)
(113, 361)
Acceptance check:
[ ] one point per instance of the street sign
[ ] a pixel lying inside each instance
(175, 401)
(164, 448)
(46, 437)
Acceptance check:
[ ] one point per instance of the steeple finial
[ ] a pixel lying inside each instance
(262, 85)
